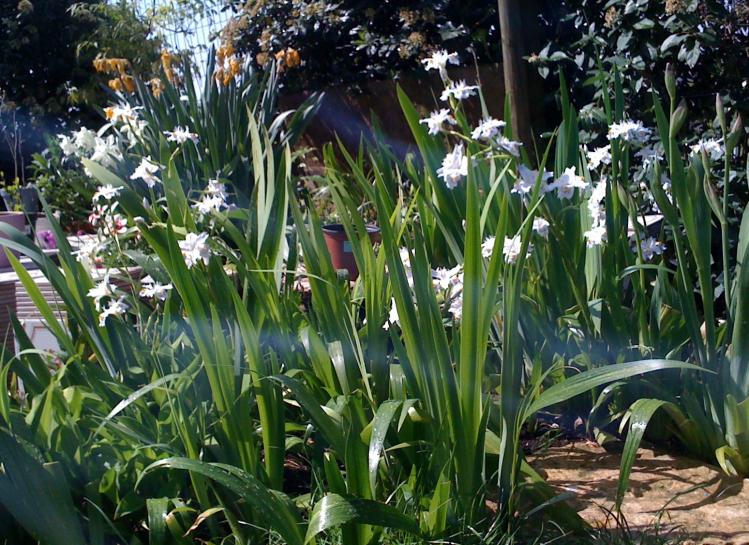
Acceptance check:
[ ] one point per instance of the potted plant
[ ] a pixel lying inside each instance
(340, 248)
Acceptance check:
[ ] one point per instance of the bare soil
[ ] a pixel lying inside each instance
(688, 497)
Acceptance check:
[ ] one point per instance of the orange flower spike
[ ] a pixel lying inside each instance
(157, 87)
(129, 82)
(115, 84)
(100, 64)
(292, 58)
(235, 65)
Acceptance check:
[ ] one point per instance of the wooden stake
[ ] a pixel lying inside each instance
(515, 70)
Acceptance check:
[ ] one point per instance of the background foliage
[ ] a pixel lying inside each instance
(366, 41)
(46, 76)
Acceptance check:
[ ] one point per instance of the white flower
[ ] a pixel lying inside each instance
(180, 135)
(67, 145)
(541, 226)
(487, 247)
(459, 91)
(195, 249)
(510, 146)
(650, 248)
(116, 223)
(454, 167)
(105, 151)
(89, 250)
(712, 147)
(568, 182)
(209, 204)
(649, 155)
(527, 181)
(443, 278)
(217, 189)
(599, 156)
(487, 129)
(154, 290)
(214, 198)
(437, 119)
(100, 291)
(393, 317)
(85, 140)
(512, 247)
(595, 206)
(115, 308)
(146, 171)
(134, 130)
(456, 307)
(439, 60)
(122, 113)
(595, 237)
(107, 192)
(633, 132)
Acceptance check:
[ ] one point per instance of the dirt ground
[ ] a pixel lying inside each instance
(697, 500)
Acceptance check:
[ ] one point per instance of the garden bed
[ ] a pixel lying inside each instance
(683, 496)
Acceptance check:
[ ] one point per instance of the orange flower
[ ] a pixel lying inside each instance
(167, 62)
(129, 83)
(115, 84)
(288, 58)
(292, 58)
(157, 87)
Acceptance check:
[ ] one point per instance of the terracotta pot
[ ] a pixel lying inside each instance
(339, 246)
(17, 220)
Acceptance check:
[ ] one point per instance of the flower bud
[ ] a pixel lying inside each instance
(671, 81)
(721, 112)
(737, 129)
(678, 118)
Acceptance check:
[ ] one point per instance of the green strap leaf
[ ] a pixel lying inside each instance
(380, 425)
(588, 380)
(335, 510)
(275, 509)
(640, 414)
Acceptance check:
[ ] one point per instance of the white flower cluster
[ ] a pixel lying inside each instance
(104, 215)
(455, 164)
(632, 132)
(127, 120)
(87, 144)
(214, 199)
(146, 171)
(596, 235)
(439, 61)
(195, 249)
(713, 148)
(180, 135)
(151, 289)
(115, 302)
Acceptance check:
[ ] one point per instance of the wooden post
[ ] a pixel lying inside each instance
(515, 70)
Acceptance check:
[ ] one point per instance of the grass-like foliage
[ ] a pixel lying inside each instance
(210, 388)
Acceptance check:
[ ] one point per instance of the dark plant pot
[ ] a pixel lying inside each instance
(339, 247)
(30, 200)
(17, 220)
